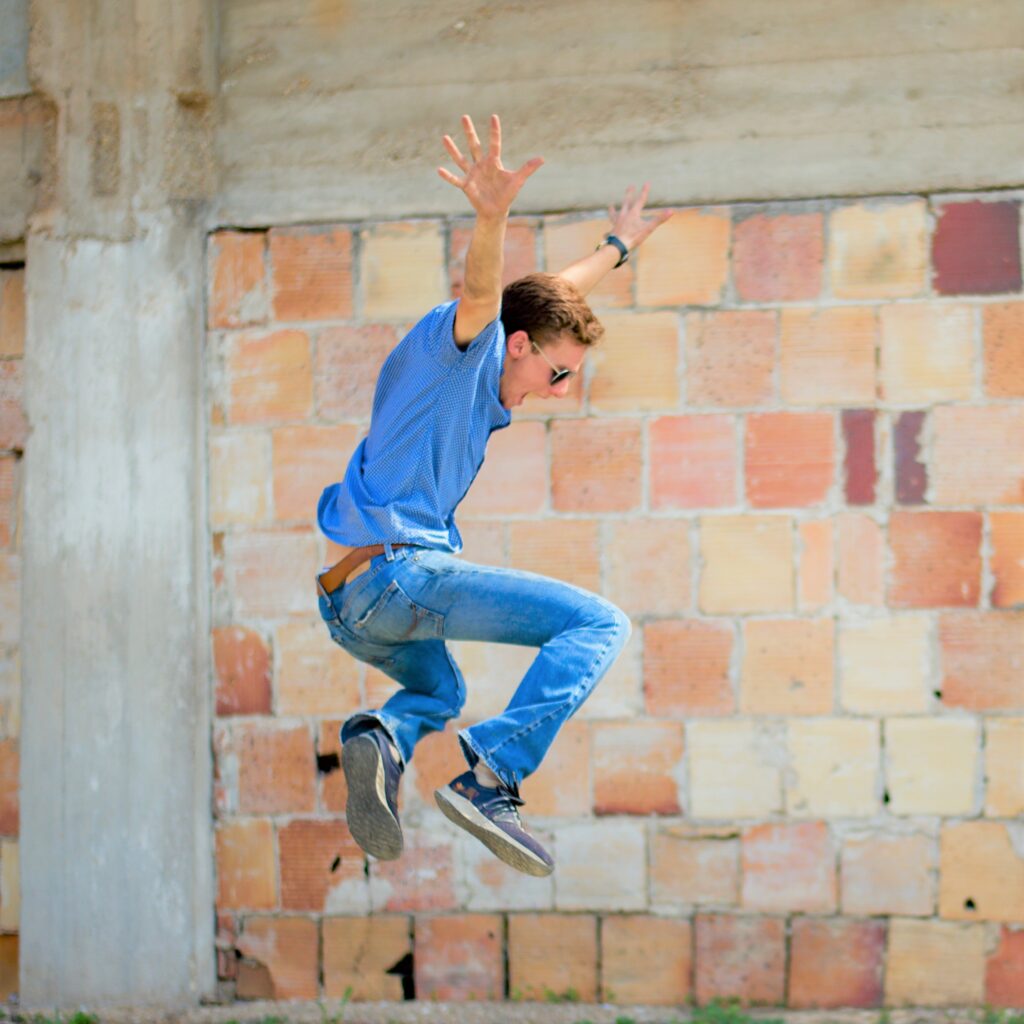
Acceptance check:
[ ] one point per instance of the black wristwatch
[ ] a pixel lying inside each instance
(619, 244)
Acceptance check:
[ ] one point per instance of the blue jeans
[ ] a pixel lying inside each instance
(398, 614)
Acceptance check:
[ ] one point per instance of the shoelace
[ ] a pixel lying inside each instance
(503, 805)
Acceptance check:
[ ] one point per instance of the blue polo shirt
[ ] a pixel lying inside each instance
(433, 411)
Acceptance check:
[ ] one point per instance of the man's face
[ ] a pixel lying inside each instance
(529, 371)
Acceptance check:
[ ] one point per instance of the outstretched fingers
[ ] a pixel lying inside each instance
(527, 169)
(495, 142)
(475, 149)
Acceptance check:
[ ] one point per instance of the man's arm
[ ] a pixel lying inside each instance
(628, 225)
(490, 189)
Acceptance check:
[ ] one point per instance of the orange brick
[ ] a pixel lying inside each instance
(686, 668)
(272, 572)
(402, 270)
(977, 455)
(8, 500)
(1007, 534)
(312, 273)
(647, 566)
(421, 879)
(636, 766)
(348, 362)
(748, 564)
(313, 677)
(241, 661)
(333, 791)
(790, 458)
(1004, 349)
(235, 270)
(482, 543)
(1004, 970)
(941, 963)
(270, 377)
(566, 549)
(552, 953)
(622, 382)
(561, 786)
(828, 356)
(861, 573)
(836, 963)
(306, 460)
(817, 564)
(319, 862)
(246, 865)
(981, 873)
(888, 874)
(359, 952)
(459, 957)
(789, 867)
(741, 958)
(645, 959)
(13, 422)
(10, 761)
(12, 312)
(520, 254)
(787, 667)
(596, 465)
(8, 966)
(730, 357)
(275, 769)
(927, 353)
(686, 261)
(693, 462)
(437, 760)
(936, 559)
(239, 470)
(690, 871)
(569, 240)
(286, 953)
(778, 257)
(514, 477)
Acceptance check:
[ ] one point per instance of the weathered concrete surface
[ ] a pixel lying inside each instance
(13, 47)
(27, 139)
(334, 109)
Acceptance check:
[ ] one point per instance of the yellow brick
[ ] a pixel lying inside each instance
(935, 963)
(615, 880)
(358, 953)
(492, 672)
(566, 241)
(313, 676)
(883, 665)
(620, 692)
(888, 874)
(834, 763)
(10, 886)
(981, 874)
(927, 353)
(239, 478)
(734, 770)
(878, 252)
(645, 959)
(685, 262)
(403, 271)
(787, 667)
(932, 765)
(647, 566)
(635, 365)
(552, 953)
(1004, 767)
(748, 564)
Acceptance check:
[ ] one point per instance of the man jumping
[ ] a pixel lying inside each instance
(398, 594)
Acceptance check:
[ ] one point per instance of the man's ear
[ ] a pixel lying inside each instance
(518, 344)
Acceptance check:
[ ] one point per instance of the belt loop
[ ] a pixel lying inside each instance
(389, 552)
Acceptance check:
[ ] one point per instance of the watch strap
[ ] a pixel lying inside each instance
(619, 244)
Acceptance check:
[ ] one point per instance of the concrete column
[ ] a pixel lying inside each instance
(117, 900)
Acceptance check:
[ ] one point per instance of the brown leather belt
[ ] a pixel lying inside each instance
(339, 573)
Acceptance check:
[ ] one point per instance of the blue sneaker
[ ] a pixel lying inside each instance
(372, 773)
(492, 816)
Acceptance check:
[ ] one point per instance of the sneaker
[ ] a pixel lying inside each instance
(492, 816)
(372, 773)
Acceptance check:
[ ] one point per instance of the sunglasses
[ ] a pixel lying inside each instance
(557, 374)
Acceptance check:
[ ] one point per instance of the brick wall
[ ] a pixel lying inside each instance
(797, 461)
(13, 432)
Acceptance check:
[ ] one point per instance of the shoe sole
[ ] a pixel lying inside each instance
(369, 818)
(460, 811)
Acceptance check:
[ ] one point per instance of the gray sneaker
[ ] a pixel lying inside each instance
(372, 774)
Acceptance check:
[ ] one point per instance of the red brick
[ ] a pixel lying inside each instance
(1004, 350)
(836, 963)
(910, 472)
(983, 660)
(937, 559)
(647, 566)
(288, 949)
(514, 477)
(421, 879)
(272, 572)
(224, 942)
(270, 377)
(12, 312)
(561, 786)
(8, 500)
(827, 356)
(246, 865)
(276, 770)
(552, 953)
(789, 867)
(13, 422)
(976, 248)
(358, 954)
(306, 460)
(1007, 534)
(312, 273)
(596, 465)
(636, 766)
(10, 761)
(778, 258)
(686, 668)
(348, 362)
(316, 858)
(8, 966)
(693, 462)
(740, 958)
(1004, 970)
(238, 290)
(241, 662)
(459, 957)
(520, 254)
(859, 467)
(730, 357)
(790, 458)
(977, 454)
(645, 960)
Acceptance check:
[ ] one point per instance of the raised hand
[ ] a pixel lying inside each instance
(488, 186)
(629, 222)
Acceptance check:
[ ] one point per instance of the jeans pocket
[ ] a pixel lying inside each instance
(395, 618)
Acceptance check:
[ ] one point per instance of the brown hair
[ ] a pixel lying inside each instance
(545, 306)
